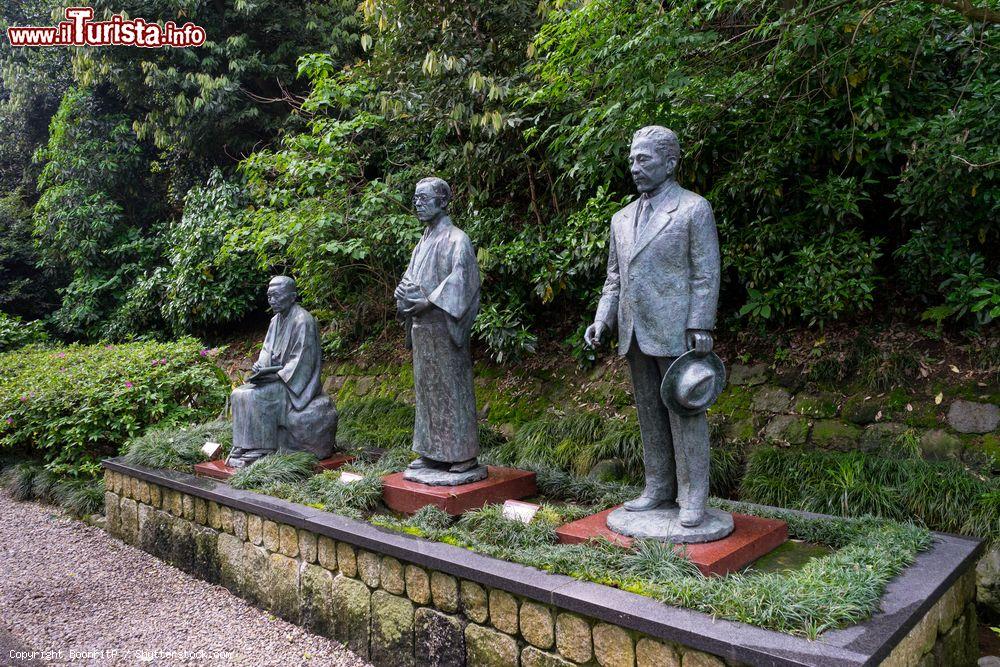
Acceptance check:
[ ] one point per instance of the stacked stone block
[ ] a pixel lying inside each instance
(395, 613)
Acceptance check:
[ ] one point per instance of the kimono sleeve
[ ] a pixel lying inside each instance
(459, 289)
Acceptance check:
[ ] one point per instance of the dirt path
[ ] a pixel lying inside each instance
(71, 594)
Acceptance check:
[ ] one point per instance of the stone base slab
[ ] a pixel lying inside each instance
(752, 537)
(219, 470)
(501, 484)
(438, 477)
(665, 525)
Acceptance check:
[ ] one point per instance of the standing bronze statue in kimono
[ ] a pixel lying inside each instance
(438, 298)
(282, 406)
(661, 293)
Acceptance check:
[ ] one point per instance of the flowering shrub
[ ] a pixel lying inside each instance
(74, 405)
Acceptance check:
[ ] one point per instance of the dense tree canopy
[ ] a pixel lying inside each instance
(849, 150)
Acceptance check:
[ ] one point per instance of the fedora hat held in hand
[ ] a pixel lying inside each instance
(693, 383)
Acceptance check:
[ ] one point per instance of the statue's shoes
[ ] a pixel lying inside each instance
(644, 503)
(463, 466)
(690, 518)
(418, 463)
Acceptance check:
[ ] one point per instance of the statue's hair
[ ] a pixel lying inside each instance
(284, 281)
(439, 185)
(665, 139)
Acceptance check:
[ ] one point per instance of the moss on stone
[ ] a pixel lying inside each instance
(474, 602)
(613, 646)
(503, 611)
(537, 624)
(489, 648)
(835, 434)
(573, 637)
(283, 587)
(444, 591)
(392, 629)
(316, 586)
(352, 613)
(823, 406)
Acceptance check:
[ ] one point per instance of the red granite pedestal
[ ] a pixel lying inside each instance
(752, 537)
(219, 470)
(500, 484)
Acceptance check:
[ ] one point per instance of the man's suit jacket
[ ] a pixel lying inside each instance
(666, 281)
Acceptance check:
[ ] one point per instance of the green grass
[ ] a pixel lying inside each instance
(942, 495)
(275, 469)
(29, 480)
(384, 423)
(178, 448)
(828, 592)
(576, 442)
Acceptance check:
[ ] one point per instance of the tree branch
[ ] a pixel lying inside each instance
(968, 10)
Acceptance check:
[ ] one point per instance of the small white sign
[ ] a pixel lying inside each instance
(517, 510)
(350, 477)
(212, 450)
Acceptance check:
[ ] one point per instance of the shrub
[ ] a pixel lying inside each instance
(201, 287)
(73, 405)
(14, 333)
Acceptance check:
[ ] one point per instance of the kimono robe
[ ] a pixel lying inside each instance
(294, 414)
(444, 266)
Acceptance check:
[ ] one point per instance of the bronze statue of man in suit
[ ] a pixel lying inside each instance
(661, 291)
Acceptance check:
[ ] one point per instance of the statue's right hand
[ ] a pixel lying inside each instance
(593, 335)
(255, 367)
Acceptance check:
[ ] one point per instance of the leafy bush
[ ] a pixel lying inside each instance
(74, 405)
(96, 219)
(201, 287)
(14, 333)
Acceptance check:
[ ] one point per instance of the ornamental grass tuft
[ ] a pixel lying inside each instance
(178, 448)
(943, 495)
(828, 592)
(275, 469)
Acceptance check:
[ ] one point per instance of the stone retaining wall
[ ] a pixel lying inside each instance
(397, 612)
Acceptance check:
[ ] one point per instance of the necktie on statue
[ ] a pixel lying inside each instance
(642, 217)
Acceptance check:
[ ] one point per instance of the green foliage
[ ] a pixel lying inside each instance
(209, 106)
(14, 333)
(22, 292)
(804, 125)
(95, 220)
(74, 405)
(202, 288)
(379, 423)
(576, 442)
(275, 469)
(942, 495)
(28, 480)
(504, 333)
(833, 591)
(178, 448)
(384, 423)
